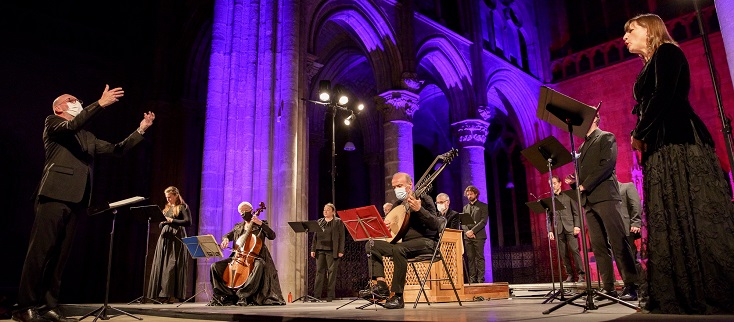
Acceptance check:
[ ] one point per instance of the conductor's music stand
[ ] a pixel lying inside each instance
(101, 312)
(306, 227)
(545, 206)
(204, 246)
(365, 223)
(575, 118)
(147, 214)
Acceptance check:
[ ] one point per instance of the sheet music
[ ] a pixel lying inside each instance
(127, 201)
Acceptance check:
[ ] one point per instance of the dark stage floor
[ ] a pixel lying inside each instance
(514, 309)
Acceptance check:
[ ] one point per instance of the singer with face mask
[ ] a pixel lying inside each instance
(63, 194)
(421, 238)
(262, 287)
(442, 205)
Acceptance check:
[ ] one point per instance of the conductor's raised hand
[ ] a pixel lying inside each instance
(110, 96)
(147, 120)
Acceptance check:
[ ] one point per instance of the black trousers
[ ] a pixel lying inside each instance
(567, 240)
(400, 253)
(52, 235)
(326, 264)
(228, 295)
(607, 235)
(475, 256)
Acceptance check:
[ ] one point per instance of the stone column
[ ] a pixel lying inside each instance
(398, 107)
(471, 135)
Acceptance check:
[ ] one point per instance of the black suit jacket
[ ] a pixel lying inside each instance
(479, 211)
(452, 219)
(596, 168)
(567, 218)
(631, 208)
(70, 153)
(337, 236)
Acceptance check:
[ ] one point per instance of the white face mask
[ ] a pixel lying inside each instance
(441, 207)
(74, 108)
(401, 193)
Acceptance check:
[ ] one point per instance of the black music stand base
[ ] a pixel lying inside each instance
(144, 299)
(307, 298)
(590, 305)
(101, 313)
(374, 300)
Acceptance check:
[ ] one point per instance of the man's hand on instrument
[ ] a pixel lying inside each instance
(224, 244)
(313, 254)
(415, 204)
(257, 221)
(388, 223)
(470, 234)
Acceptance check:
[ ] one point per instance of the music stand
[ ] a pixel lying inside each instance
(365, 224)
(466, 221)
(545, 206)
(146, 213)
(306, 227)
(203, 246)
(575, 118)
(101, 312)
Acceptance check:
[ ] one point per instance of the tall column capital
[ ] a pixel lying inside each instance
(471, 132)
(312, 67)
(397, 105)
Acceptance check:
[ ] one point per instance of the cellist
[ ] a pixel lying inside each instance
(262, 286)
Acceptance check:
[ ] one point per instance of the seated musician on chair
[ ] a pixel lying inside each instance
(421, 238)
(261, 287)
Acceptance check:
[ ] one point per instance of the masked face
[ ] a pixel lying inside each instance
(441, 207)
(247, 215)
(401, 193)
(74, 108)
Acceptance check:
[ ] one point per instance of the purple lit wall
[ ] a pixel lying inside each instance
(254, 132)
(725, 13)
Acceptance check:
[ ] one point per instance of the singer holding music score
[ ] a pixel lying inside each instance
(170, 260)
(328, 248)
(421, 238)
(567, 227)
(690, 217)
(602, 203)
(476, 236)
(262, 286)
(63, 194)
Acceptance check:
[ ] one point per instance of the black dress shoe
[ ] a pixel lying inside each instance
(379, 290)
(611, 293)
(395, 302)
(56, 316)
(629, 293)
(28, 315)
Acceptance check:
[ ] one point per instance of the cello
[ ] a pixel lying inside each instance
(247, 249)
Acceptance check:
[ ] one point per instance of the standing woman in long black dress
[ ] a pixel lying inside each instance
(170, 262)
(328, 249)
(690, 216)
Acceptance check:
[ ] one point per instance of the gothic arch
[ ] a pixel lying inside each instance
(365, 23)
(518, 100)
(440, 59)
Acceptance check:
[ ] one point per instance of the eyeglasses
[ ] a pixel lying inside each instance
(440, 202)
(70, 100)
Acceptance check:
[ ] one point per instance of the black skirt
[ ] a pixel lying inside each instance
(690, 222)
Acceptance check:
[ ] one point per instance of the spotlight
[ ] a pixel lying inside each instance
(360, 107)
(324, 89)
(343, 99)
(349, 119)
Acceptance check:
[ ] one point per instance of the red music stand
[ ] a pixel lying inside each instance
(365, 223)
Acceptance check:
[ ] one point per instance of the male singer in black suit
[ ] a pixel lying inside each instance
(475, 236)
(600, 198)
(631, 215)
(63, 194)
(567, 227)
(452, 217)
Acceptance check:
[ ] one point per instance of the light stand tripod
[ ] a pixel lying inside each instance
(365, 223)
(146, 213)
(545, 156)
(204, 246)
(101, 312)
(306, 227)
(575, 118)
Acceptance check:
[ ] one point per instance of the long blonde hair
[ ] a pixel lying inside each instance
(179, 203)
(657, 33)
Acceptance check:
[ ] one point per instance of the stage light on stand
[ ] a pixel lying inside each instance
(349, 119)
(360, 107)
(324, 90)
(343, 99)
